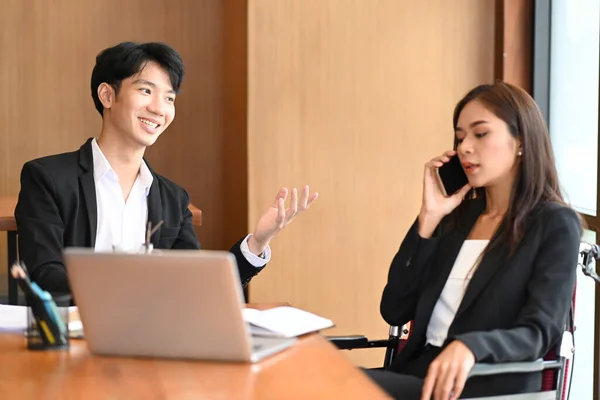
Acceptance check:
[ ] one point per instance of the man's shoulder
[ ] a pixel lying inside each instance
(63, 162)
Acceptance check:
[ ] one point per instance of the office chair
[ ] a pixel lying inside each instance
(556, 366)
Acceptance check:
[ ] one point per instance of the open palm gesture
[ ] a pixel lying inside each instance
(277, 217)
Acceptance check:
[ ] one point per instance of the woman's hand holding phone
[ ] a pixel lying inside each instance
(436, 205)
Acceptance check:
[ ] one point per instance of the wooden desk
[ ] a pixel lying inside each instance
(9, 225)
(311, 369)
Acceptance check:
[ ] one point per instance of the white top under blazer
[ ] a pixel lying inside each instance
(454, 291)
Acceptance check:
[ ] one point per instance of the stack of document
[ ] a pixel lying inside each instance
(283, 322)
(13, 319)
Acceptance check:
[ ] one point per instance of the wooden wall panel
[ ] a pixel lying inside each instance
(48, 51)
(353, 97)
(514, 41)
(235, 119)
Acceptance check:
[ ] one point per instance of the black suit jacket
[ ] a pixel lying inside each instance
(514, 309)
(57, 209)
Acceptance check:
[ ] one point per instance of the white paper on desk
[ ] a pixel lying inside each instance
(285, 322)
(13, 318)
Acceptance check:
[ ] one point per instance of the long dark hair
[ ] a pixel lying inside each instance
(537, 179)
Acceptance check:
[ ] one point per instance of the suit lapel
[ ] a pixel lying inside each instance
(88, 186)
(154, 208)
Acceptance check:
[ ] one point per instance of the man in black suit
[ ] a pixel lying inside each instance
(104, 195)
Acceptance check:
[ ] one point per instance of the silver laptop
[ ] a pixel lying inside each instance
(183, 304)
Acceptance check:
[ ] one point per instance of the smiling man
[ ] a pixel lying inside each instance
(104, 194)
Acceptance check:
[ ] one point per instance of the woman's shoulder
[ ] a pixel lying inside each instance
(549, 208)
(555, 215)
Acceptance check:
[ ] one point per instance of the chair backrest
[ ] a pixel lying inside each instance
(551, 377)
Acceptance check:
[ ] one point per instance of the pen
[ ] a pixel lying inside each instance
(148, 247)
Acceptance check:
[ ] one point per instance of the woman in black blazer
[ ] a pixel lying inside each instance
(486, 274)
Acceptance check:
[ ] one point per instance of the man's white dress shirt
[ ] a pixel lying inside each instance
(122, 223)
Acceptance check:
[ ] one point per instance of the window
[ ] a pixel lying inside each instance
(565, 85)
(573, 98)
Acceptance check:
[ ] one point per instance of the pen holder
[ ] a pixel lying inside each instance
(41, 333)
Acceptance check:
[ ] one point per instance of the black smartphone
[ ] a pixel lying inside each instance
(452, 176)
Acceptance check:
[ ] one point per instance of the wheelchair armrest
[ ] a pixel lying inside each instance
(357, 342)
(480, 369)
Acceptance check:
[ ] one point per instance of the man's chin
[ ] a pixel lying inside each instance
(148, 140)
